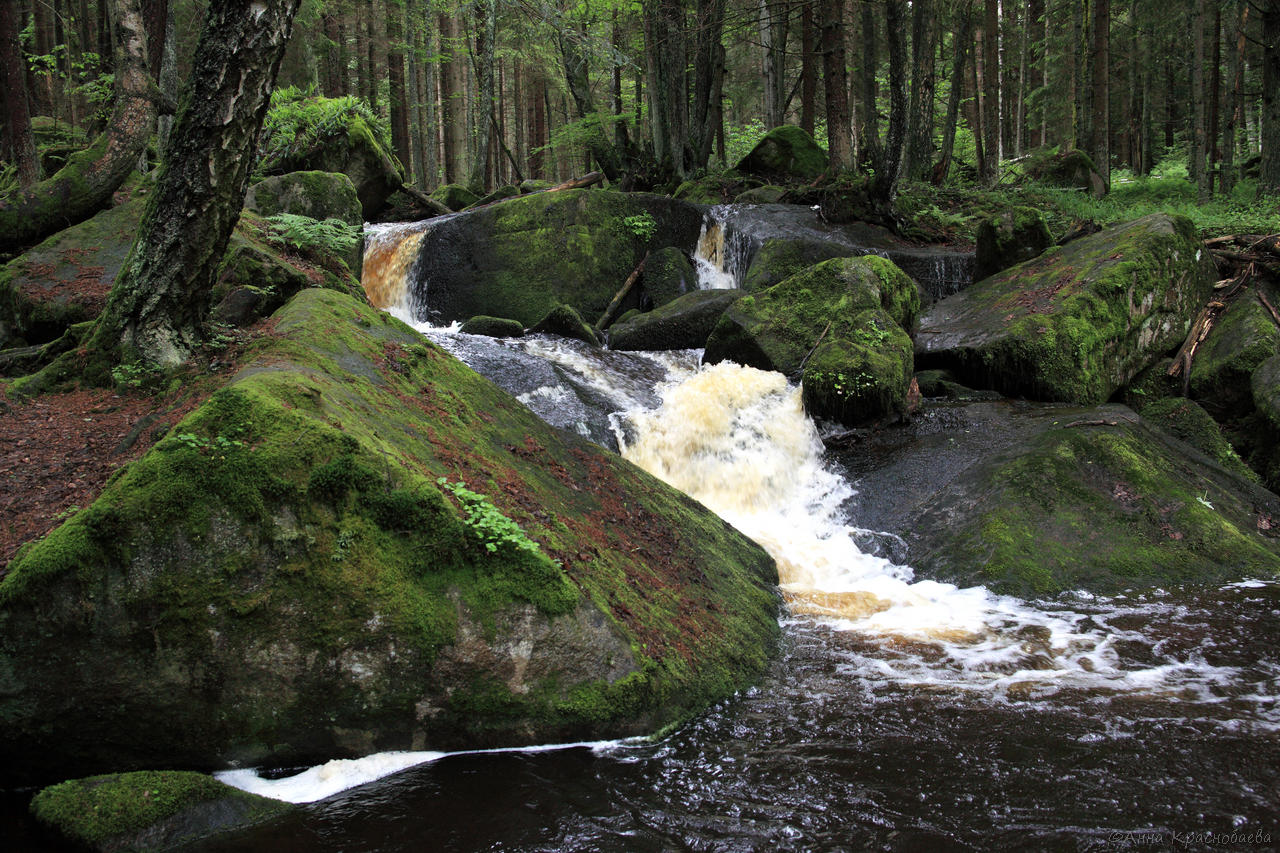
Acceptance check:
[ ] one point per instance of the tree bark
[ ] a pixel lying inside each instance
(808, 67)
(14, 78)
(155, 312)
(1269, 177)
(1100, 122)
(889, 168)
(773, 44)
(918, 156)
(396, 82)
(666, 56)
(1196, 170)
(870, 85)
(80, 188)
(960, 49)
(836, 82)
(1240, 18)
(991, 92)
(708, 79)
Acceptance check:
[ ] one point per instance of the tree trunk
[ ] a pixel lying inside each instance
(156, 309)
(991, 92)
(870, 85)
(17, 114)
(396, 82)
(773, 45)
(486, 13)
(1269, 178)
(960, 49)
(86, 182)
(578, 81)
(808, 68)
(836, 82)
(1239, 18)
(666, 56)
(889, 168)
(1196, 168)
(918, 154)
(1215, 91)
(977, 114)
(332, 77)
(708, 78)
(1100, 121)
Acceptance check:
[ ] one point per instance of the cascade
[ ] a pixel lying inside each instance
(390, 257)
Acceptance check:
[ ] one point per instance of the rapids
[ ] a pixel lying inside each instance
(901, 714)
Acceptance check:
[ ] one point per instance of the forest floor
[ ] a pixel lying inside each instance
(58, 450)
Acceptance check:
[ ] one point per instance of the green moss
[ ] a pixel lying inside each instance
(1189, 422)
(786, 151)
(779, 258)
(494, 327)
(1242, 338)
(111, 810)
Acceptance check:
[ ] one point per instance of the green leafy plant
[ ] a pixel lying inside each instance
(298, 118)
(220, 445)
(643, 225)
(134, 376)
(493, 529)
(331, 236)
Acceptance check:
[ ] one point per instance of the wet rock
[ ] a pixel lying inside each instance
(1032, 500)
(1186, 420)
(503, 192)
(1244, 336)
(493, 327)
(785, 152)
(684, 323)
(315, 195)
(296, 573)
(668, 274)
(1078, 322)
(839, 326)
(521, 258)
(567, 323)
(780, 258)
(149, 810)
(1010, 237)
(767, 194)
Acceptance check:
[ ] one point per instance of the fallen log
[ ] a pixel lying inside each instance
(579, 183)
(611, 313)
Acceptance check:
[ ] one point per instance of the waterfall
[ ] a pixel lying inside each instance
(721, 256)
(390, 256)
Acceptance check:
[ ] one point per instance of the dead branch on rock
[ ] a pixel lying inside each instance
(611, 313)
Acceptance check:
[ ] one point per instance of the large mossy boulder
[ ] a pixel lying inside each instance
(683, 323)
(65, 279)
(785, 152)
(148, 810)
(840, 326)
(780, 258)
(521, 258)
(1010, 237)
(668, 274)
(1071, 169)
(1036, 500)
(315, 195)
(1078, 322)
(1244, 336)
(454, 196)
(297, 572)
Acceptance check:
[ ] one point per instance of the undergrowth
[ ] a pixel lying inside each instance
(298, 118)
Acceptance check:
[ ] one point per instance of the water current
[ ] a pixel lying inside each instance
(900, 714)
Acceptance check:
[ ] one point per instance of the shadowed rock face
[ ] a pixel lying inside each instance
(1078, 322)
(297, 573)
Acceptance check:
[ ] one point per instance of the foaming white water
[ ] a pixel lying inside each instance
(737, 439)
(336, 776)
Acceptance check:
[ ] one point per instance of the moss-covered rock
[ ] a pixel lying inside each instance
(503, 192)
(709, 189)
(454, 196)
(1034, 502)
(493, 327)
(840, 324)
(668, 274)
(940, 383)
(352, 148)
(532, 185)
(1151, 384)
(1010, 237)
(1071, 169)
(1186, 420)
(780, 258)
(1244, 337)
(1078, 322)
(65, 279)
(767, 194)
(521, 258)
(684, 323)
(148, 809)
(284, 578)
(316, 195)
(1264, 383)
(785, 152)
(567, 323)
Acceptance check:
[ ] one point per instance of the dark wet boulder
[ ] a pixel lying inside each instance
(1244, 336)
(1265, 385)
(684, 323)
(1078, 322)
(493, 327)
(1010, 237)
(66, 279)
(767, 194)
(360, 545)
(567, 323)
(525, 256)
(454, 196)
(785, 152)
(1032, 500)
(839, 326)
(315, 195)
(668, 274)
(780, 258)
(149, 810)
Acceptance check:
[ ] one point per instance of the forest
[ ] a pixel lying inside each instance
(941, 91)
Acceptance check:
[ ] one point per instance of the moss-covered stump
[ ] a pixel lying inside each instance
(269, 260)
(315, 195)
(521, 258)
(1010, 237)
(65, 279)
(285, 578)
(785, 152)
(683, 323)
(668, 274)
(1078, 322)
(352, 148)
(148, 809)
(454, 196)
(780, 258)
(840, 326)
(493, 327)
(1186, 420)
(1243, 338)
(1039, 501)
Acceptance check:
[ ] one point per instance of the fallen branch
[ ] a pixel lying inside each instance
(611, 313)
(425, 200)
(805, 360)
(1091, 423)
(579, 183)
(1262, 297)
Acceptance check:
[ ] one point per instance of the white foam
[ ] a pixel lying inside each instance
(334, 777)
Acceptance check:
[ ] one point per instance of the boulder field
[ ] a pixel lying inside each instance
(356, 545)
